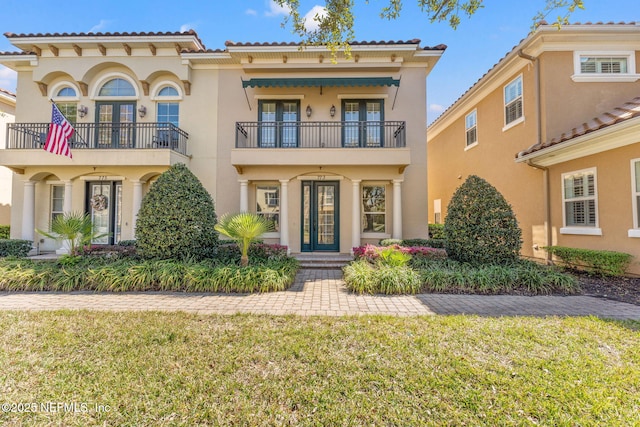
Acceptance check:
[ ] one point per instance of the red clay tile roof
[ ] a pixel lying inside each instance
(6, 92)
(116, 34)
(353, 43)
(628, 111)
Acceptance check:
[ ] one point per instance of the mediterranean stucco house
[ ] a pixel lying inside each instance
(555, 127)
(332, 151)
(7, 115)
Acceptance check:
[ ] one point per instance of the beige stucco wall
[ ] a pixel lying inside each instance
(7, 115)
(614, 200)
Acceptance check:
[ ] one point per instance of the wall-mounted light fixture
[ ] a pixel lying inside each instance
(332, 110)
(142, 111)
(82, 110)
(309, 111)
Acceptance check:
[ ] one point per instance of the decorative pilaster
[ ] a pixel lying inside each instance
(136, 203)
(356, 215)
(244, 195)
(28, 210)
(284, 212)
(397, 209)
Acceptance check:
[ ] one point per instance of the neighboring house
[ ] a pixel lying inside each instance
(554, 127)
(334, 153)
(7, 114)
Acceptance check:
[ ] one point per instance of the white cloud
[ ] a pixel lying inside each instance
(310, 22)
(436, 108)
(99, 27)
(186, 27)
(251, 12)
(8, 79)
(275, 9)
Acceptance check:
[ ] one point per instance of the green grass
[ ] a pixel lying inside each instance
(165, 369)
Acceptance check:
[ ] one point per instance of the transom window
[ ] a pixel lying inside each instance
(513, 101)
(603, 65)
(471, 128)
(580, 202)
(268, 203)
(66, 91)
(117, 87)
(373, 209)
(168, 91)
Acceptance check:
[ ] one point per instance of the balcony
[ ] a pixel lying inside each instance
(97, 144)
(266, 144)
(88, 136)
(348, 135)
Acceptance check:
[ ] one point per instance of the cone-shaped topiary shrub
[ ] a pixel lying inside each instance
(177, 218)
(480, 227)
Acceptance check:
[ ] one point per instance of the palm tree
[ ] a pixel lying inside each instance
(75, 228)
(243, 228)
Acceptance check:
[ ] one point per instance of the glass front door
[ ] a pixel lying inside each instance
(320, 216)
(115, 124)
(104, 205)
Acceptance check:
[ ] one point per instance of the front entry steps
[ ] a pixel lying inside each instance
(322, 260)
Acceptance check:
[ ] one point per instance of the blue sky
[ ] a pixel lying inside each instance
(477, 44)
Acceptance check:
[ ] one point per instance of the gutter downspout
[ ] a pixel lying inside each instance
(545, 171)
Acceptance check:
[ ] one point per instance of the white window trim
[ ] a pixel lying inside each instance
(61, 85)
(51, 211)
(629, 76)
(582, 230)
(110, 76)
(272, 234)
(376, 235)
(155, 90)
(635, 192)
(520, 119)
(466, 130)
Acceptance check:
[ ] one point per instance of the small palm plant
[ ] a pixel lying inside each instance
(243, 228)
(75, 228)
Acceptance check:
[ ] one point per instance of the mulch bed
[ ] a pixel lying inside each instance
(625, 289)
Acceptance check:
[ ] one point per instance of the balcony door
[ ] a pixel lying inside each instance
(104, 205)
(278, 125)
(362, 123)
(116, 124)
(320, 216)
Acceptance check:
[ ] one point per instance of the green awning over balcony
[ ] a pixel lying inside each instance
(322, 82)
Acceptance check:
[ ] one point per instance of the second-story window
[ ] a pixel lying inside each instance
(513, 101)
(66, 100)
(278, 123)
(168, 112)
(471, 128)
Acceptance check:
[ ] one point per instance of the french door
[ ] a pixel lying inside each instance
(362, 123)
(116, 124)
(278, 123)
(104, 205)
(320, 216)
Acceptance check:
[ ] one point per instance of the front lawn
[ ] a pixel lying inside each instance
(181, 369)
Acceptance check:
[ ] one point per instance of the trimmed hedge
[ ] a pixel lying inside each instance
(5, 232)
(429, 243)
(436, 231)
(604, 263)
(15, 247)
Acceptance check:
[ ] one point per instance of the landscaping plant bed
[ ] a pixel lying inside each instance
(625, 289)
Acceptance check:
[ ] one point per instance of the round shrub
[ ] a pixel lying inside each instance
(480, 227)
(177, 218)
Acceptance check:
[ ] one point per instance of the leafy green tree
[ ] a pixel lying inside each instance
(335, 26)
(480, 227)
(177, 218)
(74, 228)
(243, 228)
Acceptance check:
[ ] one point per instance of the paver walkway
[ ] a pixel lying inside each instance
(321, 292)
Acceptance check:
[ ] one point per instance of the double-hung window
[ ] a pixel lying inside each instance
(471, 129)
(635, 189)
(268, 203)
(580, 203)
(373, 209)
(513, 112)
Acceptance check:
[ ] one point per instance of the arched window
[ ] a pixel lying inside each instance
(168, 112)
(66, 91)
(117, 87)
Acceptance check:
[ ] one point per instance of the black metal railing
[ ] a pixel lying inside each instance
(103, 136)
(320, 134)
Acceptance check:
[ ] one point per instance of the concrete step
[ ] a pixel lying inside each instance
(319, 260)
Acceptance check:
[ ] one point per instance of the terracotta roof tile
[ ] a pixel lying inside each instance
(16, 53)
(353, 43)
(620, 114)
(6, 92)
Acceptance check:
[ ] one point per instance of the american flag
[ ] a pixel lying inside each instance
(60, 131)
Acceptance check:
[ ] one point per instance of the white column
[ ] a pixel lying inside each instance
(356, 215)
(284, 212)
(28, 210)
(137, 202)
(397, 209)
(244, 195)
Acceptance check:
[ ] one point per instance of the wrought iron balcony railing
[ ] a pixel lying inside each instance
(103, 136)
(320, 134)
